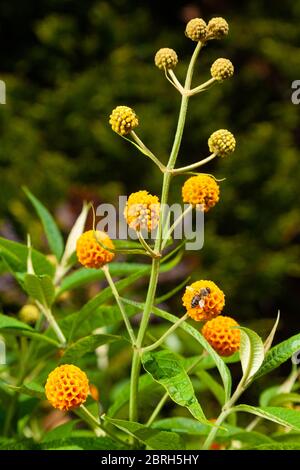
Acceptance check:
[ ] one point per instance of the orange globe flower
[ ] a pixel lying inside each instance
(142, 211)
(203, 300)
(222, 336)
(202, 190)
(90, 253)
(67, 387)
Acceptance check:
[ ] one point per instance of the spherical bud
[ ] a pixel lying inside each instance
(222, 335)
(29, 314)
(123, 120)
(67, 387)
(166, 58)
(89, 251)
(222, 69)
(222, 142)
(196, 29)
(201, 190)
(203, 300)
(217, 28)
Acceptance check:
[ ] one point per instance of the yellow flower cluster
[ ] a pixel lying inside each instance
(203, 300)
(201, 190)
(222, 69)
(67, 387)
(196, 29)
(222, 335)
(221, 142)
(166, 58)
(90, 253)
(123, 120)
(142, 211)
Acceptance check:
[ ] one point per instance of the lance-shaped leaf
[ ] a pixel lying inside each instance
(283, 416)
(166, 368)
(40, 288)
(75, 233)
(86, 345)
(52, 232)
(154, 439)
(279, 354)
(251, 352)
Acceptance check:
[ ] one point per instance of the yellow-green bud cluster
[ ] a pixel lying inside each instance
(217, 28)
(222, 69)
(29, 314)
(166, 58)
(123, 120)
(196, 29)
(222, 142)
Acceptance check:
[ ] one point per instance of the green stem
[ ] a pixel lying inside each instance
(215, 429)
(183, 169)
(111, 284)
(136, 361)
(147, 247)
(51, 320)
(165, 335)
(176, 223)
(147, 151)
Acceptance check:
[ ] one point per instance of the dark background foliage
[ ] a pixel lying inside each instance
(67, 63)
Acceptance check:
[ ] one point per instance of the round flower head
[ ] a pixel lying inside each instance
(217, 28)
(123, 120)
(166, 58)
(203, 300)
(67, 387)
(222, 336)
(142, 211)
(222, 69)
(196, 29)
(90, 253)
(222, 142)
(29, 314)
(201, 189)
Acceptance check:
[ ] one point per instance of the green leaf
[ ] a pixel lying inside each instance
(216, 389)
(283, 398)
(226, 433)
(60, 432)
(146, 385)
(86, 345)
(81, 443)
(223, 369)
(17, 254)
(167, 369)
(152, 438)
(251, 352)
(32, 389)
(84, 276)
(103, 315)
(13, 444)
(7, 322)
(54, 236)
(40, 288)
(283, 416)
(93, 304)
(278, 446)
(278, 355)
(268, 394)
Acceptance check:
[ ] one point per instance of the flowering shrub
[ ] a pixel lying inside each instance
(64, 360)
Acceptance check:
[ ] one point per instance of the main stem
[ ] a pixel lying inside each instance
(136, 361)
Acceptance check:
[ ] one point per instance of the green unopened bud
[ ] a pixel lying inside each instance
(222, 142)
(29, 314)
(196, 29)
(222, 69)
(217, 28)
(166, 58)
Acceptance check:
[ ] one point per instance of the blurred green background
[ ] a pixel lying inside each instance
(68, 63)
